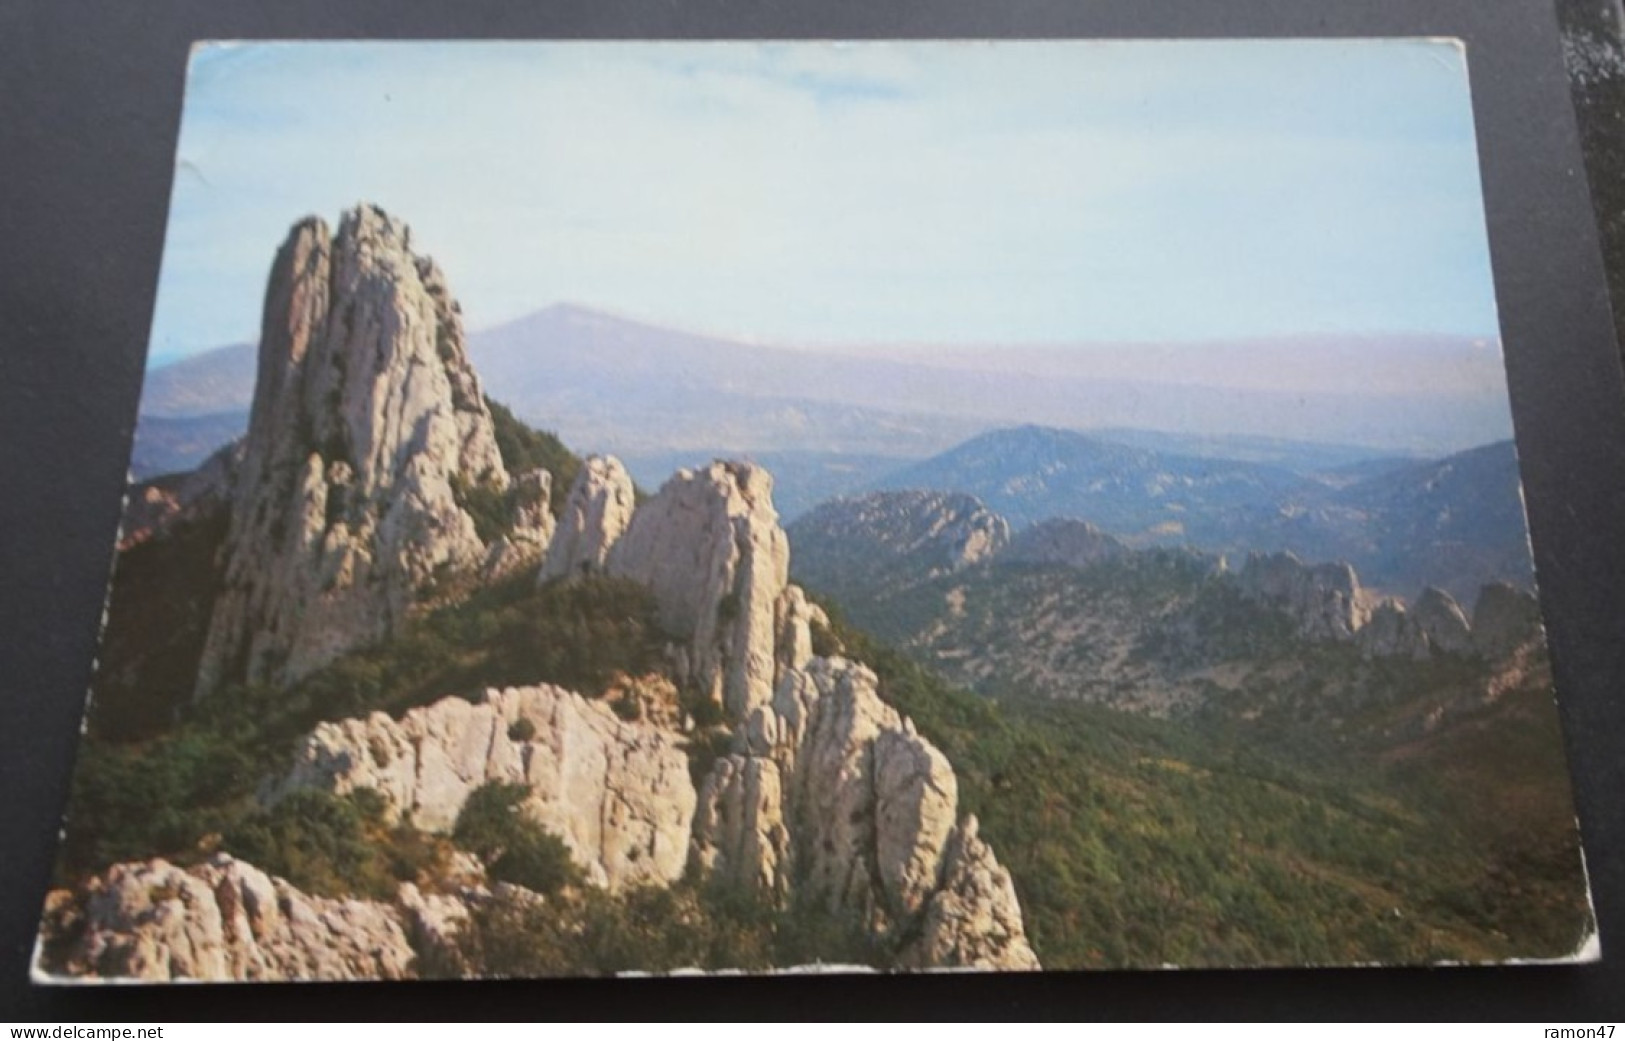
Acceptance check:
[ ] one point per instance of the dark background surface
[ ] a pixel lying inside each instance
(90, 97)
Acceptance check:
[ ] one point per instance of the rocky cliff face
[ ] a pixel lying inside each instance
(222, 920)
(595, 516)
(617, 793)
(710, 548)
(1442, 621)
(366, 488)
(1325, 601)
(1434, 624)
(831, 795)
(1392, 632)
(367, 434)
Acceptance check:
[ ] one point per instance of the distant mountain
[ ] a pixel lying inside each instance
(1309, 458)
(212, 383)
(1065, 611)
(608, 383)
(892, 540)
(165, 444)
(1455, 523)
(1461, 515)
(1033, 473)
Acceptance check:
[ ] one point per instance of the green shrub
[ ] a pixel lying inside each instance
(523, 448)
(484, 502)
(522, 729)
(492, 825)
(645, 928)
(330, 845)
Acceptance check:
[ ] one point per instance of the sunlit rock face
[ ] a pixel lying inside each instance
(710, 548)
(368, 434)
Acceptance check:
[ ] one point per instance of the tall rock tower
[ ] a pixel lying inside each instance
(367, 435)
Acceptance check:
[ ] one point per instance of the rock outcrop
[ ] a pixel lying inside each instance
(831, 795)
(1325, 601)
(1441, 620)
(222, 920)
(918, 533)
(973, 920)
(1433, 625)
(1392, 632)
(796, 620)
(618, 793)
(529, 526)
(710, 548)
(1504, 619)
(1074, 543)
(368, 434)
(596, 514)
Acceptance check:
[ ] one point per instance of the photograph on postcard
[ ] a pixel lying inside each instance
(652, 507)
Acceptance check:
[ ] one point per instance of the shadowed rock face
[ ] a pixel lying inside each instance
(368, 430)
(1504, 619)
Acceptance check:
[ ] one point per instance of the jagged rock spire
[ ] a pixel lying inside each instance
(368, 431)
(710, 548)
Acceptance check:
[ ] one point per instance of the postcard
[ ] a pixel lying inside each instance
(664, 508)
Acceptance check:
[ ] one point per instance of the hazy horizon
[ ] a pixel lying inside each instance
(857, 194)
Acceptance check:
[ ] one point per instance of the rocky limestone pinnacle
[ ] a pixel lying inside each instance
(710, 548)
(596, 513)
(832, 795)
(367, 432)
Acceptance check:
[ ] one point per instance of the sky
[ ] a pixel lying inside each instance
(878, 193)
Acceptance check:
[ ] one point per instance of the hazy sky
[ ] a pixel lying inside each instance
(817, 193)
